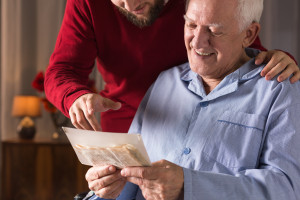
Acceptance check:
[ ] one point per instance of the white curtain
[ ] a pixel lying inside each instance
(281, 26)
(28, 33)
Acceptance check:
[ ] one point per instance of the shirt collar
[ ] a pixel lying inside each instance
(229, 84)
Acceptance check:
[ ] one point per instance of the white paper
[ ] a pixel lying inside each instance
(104, 139)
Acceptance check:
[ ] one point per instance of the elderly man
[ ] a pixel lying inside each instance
(213, 127)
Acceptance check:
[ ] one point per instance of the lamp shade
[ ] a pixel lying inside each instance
(26, 106)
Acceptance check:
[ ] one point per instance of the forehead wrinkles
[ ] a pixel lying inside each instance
(214, 25)
(212, 12)
(200, 12)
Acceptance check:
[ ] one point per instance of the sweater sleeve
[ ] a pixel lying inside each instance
(73, 58)
(257, 45)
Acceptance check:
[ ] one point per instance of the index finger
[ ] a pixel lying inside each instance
(259, 59)
(90, 116)
(95, 173)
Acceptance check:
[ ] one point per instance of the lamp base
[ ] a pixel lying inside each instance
(27, 132)
(26, 128)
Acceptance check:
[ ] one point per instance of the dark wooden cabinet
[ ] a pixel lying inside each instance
(41, 169)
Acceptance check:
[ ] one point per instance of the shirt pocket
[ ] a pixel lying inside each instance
(235, 140)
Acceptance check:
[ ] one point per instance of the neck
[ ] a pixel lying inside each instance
(211, 82)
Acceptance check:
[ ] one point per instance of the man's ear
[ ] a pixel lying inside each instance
(251, 34)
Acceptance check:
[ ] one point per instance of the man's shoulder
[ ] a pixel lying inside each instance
(284, 89)
(176, 71)
(172, 77)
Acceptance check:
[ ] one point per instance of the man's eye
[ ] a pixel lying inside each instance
(215, 33)
(191, 26)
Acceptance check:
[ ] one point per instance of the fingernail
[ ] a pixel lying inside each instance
(111, 169)
(123, 172)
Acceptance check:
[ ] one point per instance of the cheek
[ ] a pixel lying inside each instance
(117, 3)
(188, 37)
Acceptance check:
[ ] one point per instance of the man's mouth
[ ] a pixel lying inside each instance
(140, 9)
(203, 53)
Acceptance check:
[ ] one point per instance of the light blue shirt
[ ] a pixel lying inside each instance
(241, 141)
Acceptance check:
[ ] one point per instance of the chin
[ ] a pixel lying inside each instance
(201, 70)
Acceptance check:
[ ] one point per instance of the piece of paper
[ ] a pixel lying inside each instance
(102, 148)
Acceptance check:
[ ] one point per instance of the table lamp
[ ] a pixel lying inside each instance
(26, 107)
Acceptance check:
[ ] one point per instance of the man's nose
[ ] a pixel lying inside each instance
(201, 38)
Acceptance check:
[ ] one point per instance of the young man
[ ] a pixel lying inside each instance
(132, 41)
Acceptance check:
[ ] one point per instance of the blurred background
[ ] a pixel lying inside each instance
(28, 33)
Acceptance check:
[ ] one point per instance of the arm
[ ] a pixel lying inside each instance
(257, 45)
(70, 65)
(73, 58)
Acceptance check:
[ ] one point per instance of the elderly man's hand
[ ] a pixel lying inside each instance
(278, 62)
(105, 181)
(164, 180)
(82, 112)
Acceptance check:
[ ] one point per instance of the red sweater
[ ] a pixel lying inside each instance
(128, 58)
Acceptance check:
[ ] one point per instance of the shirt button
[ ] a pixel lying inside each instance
(186, 151)
(204, 104)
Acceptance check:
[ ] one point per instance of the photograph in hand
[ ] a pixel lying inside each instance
(121, 156)
(96, 148)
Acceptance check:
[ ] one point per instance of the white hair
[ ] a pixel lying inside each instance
(248, 11)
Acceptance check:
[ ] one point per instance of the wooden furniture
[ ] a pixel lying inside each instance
(41, 169)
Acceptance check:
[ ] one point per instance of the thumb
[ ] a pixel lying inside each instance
(109, 104)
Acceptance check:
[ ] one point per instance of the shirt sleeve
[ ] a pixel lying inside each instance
(73, 58)
(277, 174)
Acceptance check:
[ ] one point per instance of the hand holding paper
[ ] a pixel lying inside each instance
(105, 181)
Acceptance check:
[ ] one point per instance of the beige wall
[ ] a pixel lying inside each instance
(281, 26)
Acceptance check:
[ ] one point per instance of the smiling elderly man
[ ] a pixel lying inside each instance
(213, 127)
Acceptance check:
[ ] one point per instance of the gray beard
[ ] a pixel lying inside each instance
(153, 15)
